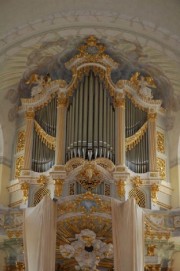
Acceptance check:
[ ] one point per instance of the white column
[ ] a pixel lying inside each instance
(120, 130)
(61, 129)
(152, 141)
(28, 140)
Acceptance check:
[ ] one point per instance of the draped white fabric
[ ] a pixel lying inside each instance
(40, 236)
(127, 228)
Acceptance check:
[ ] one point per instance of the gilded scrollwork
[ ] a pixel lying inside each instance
(137, 182)
(25, 190)
(19, 166)
(121, 188)
(161, 167)
(43, 180)
(160, 142)
(21, 140)
(89, 176)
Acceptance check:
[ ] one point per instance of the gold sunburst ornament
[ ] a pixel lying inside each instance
(89, 176)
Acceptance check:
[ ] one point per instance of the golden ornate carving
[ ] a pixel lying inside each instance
(136, 79)
(91, 51)
(48, 140)
(43, 180)
(76, 205)
(119, 100)
(132, 141)
(154, 190)
(30, 115)
(161, 167)
(20, 266)
(121, 188)
(19, 166)
(105, 163)
(25, 190)
(160, 142)
(62, 83)
(137, 182)
(92, 54)
(62, 99)
(21, 140)
(150, 250)
(152, 116)
(74, 163)
(89, 176)
(58, 183)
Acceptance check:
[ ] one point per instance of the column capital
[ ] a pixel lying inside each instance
(119, 100)
(62, 100)
(152, 116)
(30, 114)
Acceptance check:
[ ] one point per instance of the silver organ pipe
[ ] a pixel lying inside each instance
(137, 159)
(91, 121)
(96, 120)
(43, 158)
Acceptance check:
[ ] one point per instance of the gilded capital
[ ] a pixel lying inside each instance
(119, 100)
(30, 114)
(62, 99)
(152, 116)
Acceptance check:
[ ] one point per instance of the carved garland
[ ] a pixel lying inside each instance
(133, 140)
(48, 140)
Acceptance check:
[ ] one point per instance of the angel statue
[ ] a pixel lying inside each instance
(39, 80)
(146, 83)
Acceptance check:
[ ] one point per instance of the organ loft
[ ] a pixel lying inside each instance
(83, 141)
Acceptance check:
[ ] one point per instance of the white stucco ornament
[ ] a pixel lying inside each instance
(87, 250)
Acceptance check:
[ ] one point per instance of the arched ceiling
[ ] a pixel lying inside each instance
(34, 33)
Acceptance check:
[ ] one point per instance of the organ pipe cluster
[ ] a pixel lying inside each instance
(90, 121)
(43, 158)
(137, 159)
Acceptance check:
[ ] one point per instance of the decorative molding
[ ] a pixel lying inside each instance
(161, 167)
(160, 142)
(20, 141)
(15, 203)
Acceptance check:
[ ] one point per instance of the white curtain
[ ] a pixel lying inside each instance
(128, 241)
(40, 236)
